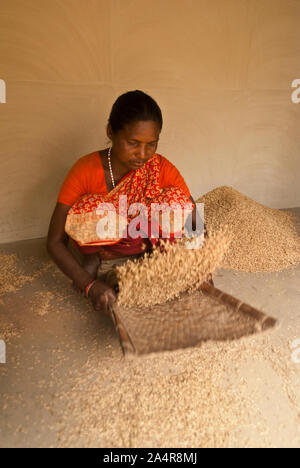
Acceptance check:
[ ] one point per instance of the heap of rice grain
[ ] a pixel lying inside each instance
(161, 276)
(264, 239)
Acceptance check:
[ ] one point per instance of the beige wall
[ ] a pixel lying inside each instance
(221, 71)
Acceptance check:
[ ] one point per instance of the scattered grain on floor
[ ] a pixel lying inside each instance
(188, 398)
(42, 302)
(8, 331)
(12, 278)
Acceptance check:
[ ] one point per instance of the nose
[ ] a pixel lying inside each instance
(142, 153)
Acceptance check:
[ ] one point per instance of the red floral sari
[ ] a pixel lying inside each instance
(140, 187)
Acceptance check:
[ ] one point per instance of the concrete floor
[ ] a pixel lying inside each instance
(57, 329)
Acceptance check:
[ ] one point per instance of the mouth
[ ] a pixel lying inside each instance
(137, 164)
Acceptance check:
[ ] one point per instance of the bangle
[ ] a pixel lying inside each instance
(88, 287)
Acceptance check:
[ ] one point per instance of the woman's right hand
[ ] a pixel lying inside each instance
(102, 296)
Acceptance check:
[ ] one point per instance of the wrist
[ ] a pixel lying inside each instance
(88, 287)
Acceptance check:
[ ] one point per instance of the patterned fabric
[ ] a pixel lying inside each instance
(87, 176)
(140, 186)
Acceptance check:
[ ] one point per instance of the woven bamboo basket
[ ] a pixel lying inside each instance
(206, 314)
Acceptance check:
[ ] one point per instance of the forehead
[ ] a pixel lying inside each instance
(141, 130)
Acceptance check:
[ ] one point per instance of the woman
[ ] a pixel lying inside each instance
(130, 167)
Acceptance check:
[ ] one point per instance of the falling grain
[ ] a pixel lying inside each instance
(161, 276)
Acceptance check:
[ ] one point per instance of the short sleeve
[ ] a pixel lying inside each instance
(73, 186)
(171, 177)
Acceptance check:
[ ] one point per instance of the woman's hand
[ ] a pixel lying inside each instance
(102, 296)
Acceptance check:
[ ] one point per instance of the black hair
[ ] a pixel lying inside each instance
(134, 106)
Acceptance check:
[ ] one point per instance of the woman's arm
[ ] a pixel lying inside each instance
(58, 250)
(100, 293)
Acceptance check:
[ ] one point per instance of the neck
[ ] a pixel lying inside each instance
(119, 170)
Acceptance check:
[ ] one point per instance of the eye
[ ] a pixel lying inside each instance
(133, 143)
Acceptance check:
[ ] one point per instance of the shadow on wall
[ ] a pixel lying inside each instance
(39, 200)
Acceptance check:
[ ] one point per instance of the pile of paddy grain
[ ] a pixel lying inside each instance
(162, 276)
(264, 239)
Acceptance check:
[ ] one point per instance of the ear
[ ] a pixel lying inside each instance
(109, 132)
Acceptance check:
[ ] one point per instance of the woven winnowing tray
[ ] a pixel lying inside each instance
(206, 314)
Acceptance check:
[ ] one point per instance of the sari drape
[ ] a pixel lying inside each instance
(110, 228)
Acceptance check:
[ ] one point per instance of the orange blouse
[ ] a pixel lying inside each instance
(87, 176)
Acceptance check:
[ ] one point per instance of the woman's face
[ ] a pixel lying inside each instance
(135, 144)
